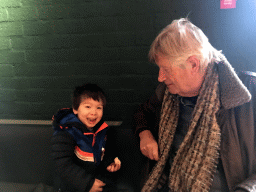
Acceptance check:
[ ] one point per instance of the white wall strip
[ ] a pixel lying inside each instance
(44, 122)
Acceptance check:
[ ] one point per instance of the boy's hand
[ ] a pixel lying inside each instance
(97, 186)
(115, 166)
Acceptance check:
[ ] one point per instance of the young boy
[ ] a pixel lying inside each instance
(79, 142)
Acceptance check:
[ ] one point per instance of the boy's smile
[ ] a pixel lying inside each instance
(89, 112)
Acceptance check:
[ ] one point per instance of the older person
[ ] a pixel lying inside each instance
(198, 129)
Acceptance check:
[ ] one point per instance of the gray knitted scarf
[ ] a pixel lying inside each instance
(196, 159)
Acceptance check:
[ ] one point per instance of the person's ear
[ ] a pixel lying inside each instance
(75, 111)
(194, 63)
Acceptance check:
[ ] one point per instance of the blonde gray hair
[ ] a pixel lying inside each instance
(180, 40)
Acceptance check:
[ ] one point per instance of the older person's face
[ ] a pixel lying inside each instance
(184, 82)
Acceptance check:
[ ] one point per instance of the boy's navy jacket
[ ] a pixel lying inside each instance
(77, 152)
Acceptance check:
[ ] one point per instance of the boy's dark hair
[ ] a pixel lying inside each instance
(87, 91)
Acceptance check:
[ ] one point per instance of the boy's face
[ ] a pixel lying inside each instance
(89, 112)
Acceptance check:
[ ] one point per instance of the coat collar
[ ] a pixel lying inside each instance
(66, 117)
(233, 92)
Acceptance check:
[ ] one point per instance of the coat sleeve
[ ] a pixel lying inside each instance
(63, 146)
(147, 114)
(249, 184)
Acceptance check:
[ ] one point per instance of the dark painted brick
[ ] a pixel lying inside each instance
(21, 14)
(28, 42)
(90, 9)
(136, 7)
(5, 43)
(29, 2)
(52, 2)
(119, 111)
(3, 14)
(44, 96)
(119, 39)
(76, 42)
(37, 27)
(6, 70)
(77, 10)
(10, 28)
(11, 3)
(88, 40)
(52, 12)
(145, 22)
(21, 116)
(56, 2)
(36, 2)
(26, 109)
(130, 68)
(128, 96)
(47, 109)
(8, 107)
(7, 95)
(88, 25)
(43, 69)
(135, 23)
(106, 82)
(72, 55)
(57, 41)
(7, 83)
(126, 23)
(58, 69)
(85, 69)
(127, 68)
(111, 8)
(29, 111)
(145, 38)
(134, 53)
(163, 19)
(69, 11)
(11, 57)
(49, 83)
(167, 6)
(134, 68)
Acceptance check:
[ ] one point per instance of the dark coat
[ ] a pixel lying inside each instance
(77, 152)
(236, 119)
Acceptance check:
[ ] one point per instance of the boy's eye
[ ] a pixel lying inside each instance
(87, 106)
(99, 107)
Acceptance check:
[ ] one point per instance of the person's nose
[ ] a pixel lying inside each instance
(93, 111)
(161, 76)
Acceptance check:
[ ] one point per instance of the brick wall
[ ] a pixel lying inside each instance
(47, 47)
(50, 46)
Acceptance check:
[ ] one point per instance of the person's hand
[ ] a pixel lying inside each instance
(97, 186)
(115, 166)
(148, 145)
